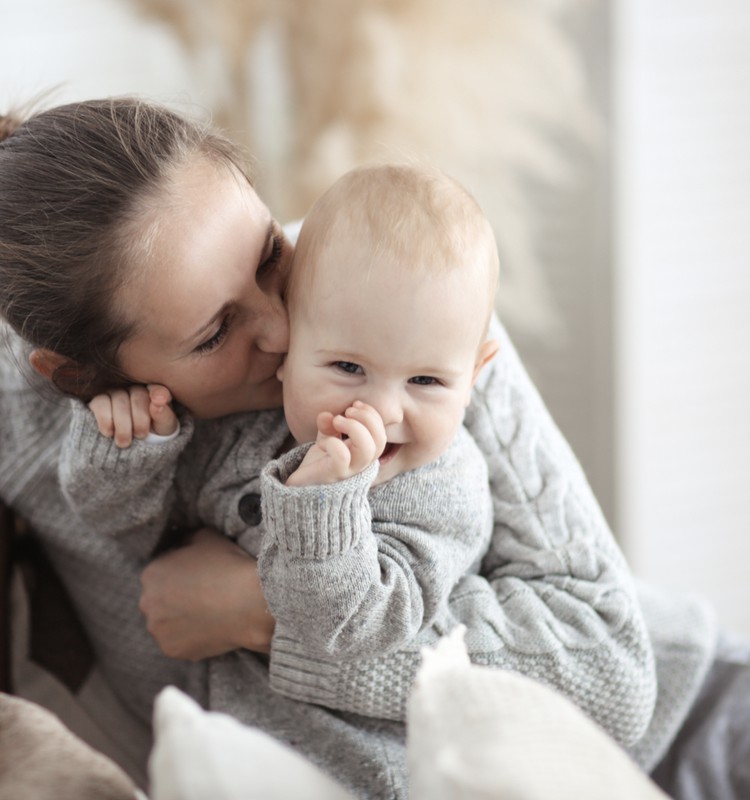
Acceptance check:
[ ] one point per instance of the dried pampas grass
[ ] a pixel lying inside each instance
(488, 90)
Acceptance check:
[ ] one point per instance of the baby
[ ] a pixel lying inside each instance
(390, 295)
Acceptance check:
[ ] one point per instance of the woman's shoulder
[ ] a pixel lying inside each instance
(16, 373)
(13, 354)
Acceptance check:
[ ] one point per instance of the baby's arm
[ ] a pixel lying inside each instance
(354, 573)
(347, 443)
(123, 492)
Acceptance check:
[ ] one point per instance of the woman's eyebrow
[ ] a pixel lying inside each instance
(268, 242)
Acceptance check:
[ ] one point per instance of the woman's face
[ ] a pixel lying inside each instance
(206, 297)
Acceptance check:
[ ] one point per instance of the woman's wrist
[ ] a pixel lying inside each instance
(205, 599)
(256, 623)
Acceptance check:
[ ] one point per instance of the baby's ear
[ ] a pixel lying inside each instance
(487, 351)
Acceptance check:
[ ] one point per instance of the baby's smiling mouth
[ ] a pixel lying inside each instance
(389, 452)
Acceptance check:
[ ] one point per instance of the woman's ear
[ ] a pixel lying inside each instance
(68, 376)
(46, 362)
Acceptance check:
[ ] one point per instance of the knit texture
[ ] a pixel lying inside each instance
(351, 571)
(555, 602)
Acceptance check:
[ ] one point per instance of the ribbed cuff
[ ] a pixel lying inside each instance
(315, 521)
(99, 451)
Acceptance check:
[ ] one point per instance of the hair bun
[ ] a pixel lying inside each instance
(8, 124)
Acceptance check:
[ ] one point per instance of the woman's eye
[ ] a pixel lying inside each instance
(216, 339)
(348, 366)
(270, 264)
(424, 380)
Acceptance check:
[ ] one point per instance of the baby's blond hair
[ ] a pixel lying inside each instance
(412, 215)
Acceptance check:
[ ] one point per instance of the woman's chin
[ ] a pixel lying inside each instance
(266, 395)
(258, 397)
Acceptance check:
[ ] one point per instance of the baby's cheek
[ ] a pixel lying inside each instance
(442, 432)
(296, 417)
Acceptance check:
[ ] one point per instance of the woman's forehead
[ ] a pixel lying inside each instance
(195, 252)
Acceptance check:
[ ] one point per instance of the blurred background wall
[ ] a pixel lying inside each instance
(606, 142)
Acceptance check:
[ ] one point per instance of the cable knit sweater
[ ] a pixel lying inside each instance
(554, 599)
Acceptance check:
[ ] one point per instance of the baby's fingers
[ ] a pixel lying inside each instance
(339, 455)
(324, 421)
(359, 441)
(369, 417)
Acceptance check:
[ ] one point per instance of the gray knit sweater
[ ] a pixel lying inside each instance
(352, 570)
(554, 599)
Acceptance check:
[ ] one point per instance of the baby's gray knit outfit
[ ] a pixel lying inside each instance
(352, 570)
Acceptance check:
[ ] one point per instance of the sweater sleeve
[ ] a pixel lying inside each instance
(351, 571)
(123, 493)
(554, 601)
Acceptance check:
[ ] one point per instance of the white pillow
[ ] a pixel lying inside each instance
(199, 755)
(478, 733)
(474, 733)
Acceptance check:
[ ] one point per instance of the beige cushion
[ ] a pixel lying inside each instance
(41, 759)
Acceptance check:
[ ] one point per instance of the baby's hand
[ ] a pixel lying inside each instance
(346, 444)
(131, 413)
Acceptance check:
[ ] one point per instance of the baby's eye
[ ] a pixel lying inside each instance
(424, 380)
(348, 366)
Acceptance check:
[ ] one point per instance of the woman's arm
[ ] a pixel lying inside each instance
(123, 493)
(353, 571)
(205, 599)
(556, 601)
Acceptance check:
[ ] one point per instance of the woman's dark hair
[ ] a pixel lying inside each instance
(73, 181)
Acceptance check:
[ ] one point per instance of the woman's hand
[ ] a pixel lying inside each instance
(125, 414)
(205, 599)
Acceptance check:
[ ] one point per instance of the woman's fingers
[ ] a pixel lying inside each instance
(112, 412)
(162, 418)
(101, 407)
(139, 411)
(125, 414)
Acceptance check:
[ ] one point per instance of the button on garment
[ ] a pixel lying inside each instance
(249, 509)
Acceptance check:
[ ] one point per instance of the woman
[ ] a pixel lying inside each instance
(134, 250)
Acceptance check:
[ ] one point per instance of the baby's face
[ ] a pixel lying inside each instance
(405, 343)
